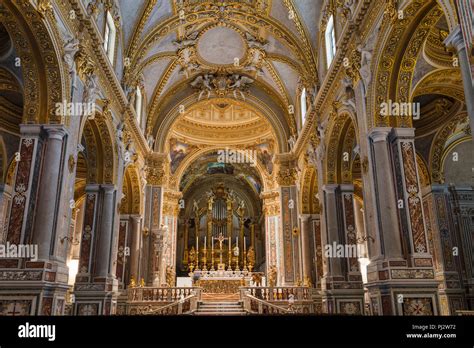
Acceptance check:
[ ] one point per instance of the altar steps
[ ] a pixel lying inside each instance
(220, 308)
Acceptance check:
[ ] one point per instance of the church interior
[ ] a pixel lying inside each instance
(236, 157)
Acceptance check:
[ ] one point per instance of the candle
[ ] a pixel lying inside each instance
(205, 242)
(236, 241)
(197, 243)
(245, 246)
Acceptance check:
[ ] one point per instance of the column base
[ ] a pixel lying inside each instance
(452, 296)
(396, 289)
(32, 287)
(96, 298)
(340, 296)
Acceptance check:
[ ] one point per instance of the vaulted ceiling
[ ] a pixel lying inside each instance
(235, 49)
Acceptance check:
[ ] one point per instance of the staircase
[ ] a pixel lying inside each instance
(220, 308)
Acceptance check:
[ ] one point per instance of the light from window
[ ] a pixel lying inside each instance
(303, 106)
(109, 37)
(330, 38)
(138, 106)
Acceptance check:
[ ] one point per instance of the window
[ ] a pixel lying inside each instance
(109, 37)
(138, 106)
(303, 106)
(330, 38)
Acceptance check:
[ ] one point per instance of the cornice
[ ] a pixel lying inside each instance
(345, 39)
(105, 71)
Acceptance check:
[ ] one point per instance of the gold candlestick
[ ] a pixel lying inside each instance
(204, 259)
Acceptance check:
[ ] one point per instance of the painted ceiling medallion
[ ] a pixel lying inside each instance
(220, 46)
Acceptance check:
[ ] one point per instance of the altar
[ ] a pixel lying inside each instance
(219, 285)
(221, 282)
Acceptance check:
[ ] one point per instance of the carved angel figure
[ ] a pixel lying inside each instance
(253, 42)
(240, 84)
(189, 40)
(203, 83)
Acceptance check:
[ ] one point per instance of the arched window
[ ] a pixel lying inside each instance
(138, 105)
(109, 37)
(303, 106)
(330, 39)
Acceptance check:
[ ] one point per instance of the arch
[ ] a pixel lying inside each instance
(425, 178)
(100, 150)
(450, 147)
(37, 42)
(171, 117)
(342, 138)
(437, 150)
(441, 81)
(309, 204)
(264, 177)
(395, 58)
(131, 189)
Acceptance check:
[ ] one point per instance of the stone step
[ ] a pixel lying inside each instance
(220, 313)
(220, 308)
(215, 309)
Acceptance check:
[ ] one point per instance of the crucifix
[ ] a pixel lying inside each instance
(220, 239)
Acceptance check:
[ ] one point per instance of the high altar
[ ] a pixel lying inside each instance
(219, 241)
(227, 241)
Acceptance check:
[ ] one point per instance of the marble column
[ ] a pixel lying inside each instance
(5, 200)
(330, 235)
(443, 239)
(306, 248)
(105, 239)
(135, 247)
(289, 241)
(49, 192)
(404, 260)
(455, 40)
(385, 196)
(25, 187)
(341, 285)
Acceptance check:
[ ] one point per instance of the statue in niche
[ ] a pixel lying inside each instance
(71, 47)
(292, 142)
(366, 51)
(91, 93)
(150, 141)
(312, 156)
(321, 147)
(195, 207)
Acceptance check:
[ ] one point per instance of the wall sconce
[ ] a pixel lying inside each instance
(146, 231)
(70, 240)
